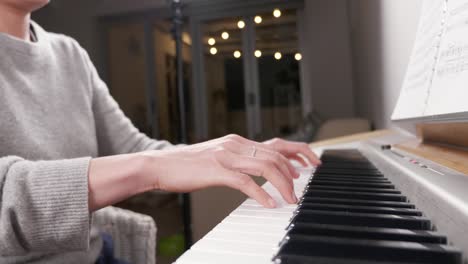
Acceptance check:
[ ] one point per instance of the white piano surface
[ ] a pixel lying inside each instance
(251, 233)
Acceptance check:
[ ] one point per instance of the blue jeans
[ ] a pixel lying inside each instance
(107, 252)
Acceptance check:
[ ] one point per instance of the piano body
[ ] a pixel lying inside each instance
(393, 196)
(373, 200)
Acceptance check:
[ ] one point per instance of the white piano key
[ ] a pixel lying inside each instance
(260, 208)
(239, 247)
(262, 214)
(210, 257)
(283, 222)
(280, 204)
(271, 239)
(251, 228)
(251, 233)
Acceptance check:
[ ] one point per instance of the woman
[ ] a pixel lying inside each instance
(67, 149)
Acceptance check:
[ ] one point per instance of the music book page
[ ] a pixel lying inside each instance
(436, 81)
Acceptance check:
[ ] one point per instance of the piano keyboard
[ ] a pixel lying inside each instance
(349, 212)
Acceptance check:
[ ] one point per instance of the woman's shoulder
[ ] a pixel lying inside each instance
(60, 44)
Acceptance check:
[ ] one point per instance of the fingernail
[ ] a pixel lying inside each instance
(272, 203)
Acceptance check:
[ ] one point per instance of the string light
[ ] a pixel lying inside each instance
(278, 55)
(276, 13)
(241, 24)
(237, 54)
(224, 35)
(298, 56)
(211, 41)
(258, 19)
(258, 53)
(213, 51)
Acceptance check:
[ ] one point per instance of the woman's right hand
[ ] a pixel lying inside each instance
(228, 161)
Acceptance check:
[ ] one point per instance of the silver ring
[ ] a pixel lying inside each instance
(254, 152)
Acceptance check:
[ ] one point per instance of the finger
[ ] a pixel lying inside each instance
(246, 185)
(260, 151)
(262, 148)
(299, 159)
(309, 154)
(263, 168)
(280, 161)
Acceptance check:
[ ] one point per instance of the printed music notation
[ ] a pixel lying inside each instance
(437, 84)
(421, 69)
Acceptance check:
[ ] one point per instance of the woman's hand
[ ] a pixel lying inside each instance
(230, 161)
(297, 151)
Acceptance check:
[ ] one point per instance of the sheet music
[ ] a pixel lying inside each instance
(450, 85)
(436, 81)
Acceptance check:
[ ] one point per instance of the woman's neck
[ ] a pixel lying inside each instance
(15, 22)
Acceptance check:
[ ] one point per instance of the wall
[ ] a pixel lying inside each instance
(326, 65)
(383, 32)
(76, 19)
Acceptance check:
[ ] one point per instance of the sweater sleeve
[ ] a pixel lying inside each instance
(115, 132)
(44, 206)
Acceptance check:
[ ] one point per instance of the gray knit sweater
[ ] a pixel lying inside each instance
(56, 114)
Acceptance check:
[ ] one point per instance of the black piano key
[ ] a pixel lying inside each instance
(359, 209)
(373, 233)
(315, 186)
(353, 184)
(356, 195)
(351, 213)
(360, 172)
(367, 250)
(348, 175)
(340, 201)
(362, 219)
(355, 160)
(348, 165)
(296, 259)
(346, 172)
(350, 179)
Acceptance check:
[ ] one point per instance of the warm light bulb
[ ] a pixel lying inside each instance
(213, 50)
(298, 56)
(276, 13)
(237, 54)
(225, 35)
(258, 19)
(211, 41)
(241, 24)
(258, 53)
(278, 55)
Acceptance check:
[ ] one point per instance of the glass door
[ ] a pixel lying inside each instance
(277, 57)
(224, 76)
(250, 72)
